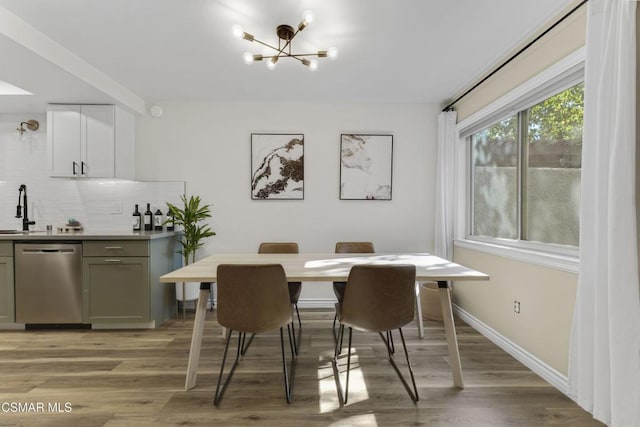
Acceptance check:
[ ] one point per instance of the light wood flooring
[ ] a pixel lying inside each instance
(136, 378)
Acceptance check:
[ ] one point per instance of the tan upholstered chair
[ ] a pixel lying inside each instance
(294, 287)
(253, 299)
(378, 298)
(345, 248)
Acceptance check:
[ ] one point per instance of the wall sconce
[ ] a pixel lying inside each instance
(31, 125)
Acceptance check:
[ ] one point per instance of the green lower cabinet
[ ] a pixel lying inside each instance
(7, 313)
(116, 289)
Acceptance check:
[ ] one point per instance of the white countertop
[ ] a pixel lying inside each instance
(89, 234)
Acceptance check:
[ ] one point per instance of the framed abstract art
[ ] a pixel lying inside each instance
(366, 166)
(277, 166)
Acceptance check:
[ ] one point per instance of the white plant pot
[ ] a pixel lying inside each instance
(191, 291)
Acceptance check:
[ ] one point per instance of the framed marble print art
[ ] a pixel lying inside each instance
(366, 163)
(277, 166)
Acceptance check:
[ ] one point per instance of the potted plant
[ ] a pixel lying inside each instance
(190, 217)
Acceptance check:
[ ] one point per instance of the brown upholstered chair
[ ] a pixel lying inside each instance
(253, 299)
(378, 298)
(345, 248)
(294, 287)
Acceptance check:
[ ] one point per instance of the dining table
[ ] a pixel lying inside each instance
(329, 267)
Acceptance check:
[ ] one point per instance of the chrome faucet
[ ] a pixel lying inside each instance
(22, 191)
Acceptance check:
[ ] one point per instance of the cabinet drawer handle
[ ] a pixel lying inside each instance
(112, 260)
(82, 168)
(113, 248)
(74, 168)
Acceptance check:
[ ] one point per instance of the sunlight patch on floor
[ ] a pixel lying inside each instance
(328, 393)
(368, 420)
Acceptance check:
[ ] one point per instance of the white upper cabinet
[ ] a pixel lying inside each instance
(93, 141)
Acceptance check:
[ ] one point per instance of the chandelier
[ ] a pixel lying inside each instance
(286, 34)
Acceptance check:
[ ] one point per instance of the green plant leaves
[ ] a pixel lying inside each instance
(189, 218)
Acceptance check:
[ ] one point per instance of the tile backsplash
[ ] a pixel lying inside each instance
(98, 204)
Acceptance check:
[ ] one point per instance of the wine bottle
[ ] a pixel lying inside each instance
(157, 220)
(148, 218)
(137, 219)
(171, 224)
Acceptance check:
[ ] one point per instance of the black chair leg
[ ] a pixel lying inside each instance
(388, 341)
(346, 390)
(338, 343)
(288, 379)
(220, 390)
(245, 347)
(406, 354)
(336, 335)
(292, 340)
(296, 341)
(333, 326)
(412, 393)
(342, 394)
(298, 313)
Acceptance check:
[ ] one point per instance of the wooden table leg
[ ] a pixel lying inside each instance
(196, 337)
(419, 312)
(450, 331)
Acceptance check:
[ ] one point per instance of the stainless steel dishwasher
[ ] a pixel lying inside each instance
(48, 283)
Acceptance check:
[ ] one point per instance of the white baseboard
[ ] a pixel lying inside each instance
(548, 373)
(317, 303)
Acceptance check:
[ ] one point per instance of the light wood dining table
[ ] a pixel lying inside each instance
(328, 267)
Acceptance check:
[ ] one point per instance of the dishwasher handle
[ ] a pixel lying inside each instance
(47, 250)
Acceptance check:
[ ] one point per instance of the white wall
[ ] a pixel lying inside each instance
(208, 146)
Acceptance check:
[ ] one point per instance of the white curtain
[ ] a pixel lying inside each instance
(445, 175)
(604, 361)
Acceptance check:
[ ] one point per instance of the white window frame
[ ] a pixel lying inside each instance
(558, 77)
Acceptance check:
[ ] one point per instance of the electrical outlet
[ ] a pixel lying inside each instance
(116, 208)
(516, 306)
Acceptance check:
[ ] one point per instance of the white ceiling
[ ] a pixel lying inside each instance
(424, 51)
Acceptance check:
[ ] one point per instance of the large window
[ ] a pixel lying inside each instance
(526, 173)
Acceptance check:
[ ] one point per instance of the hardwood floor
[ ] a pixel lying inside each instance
(131, 378)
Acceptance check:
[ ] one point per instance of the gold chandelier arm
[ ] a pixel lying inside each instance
(318, 55)
(288, 43)
(281, 52)
(265, 44)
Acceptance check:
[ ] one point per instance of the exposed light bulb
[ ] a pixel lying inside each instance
(237, 31)
(248, 57)
(313, 64)
(332, 52)
(271, 64)
(307, 17)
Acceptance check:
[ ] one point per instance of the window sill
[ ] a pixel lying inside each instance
(566, 263)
